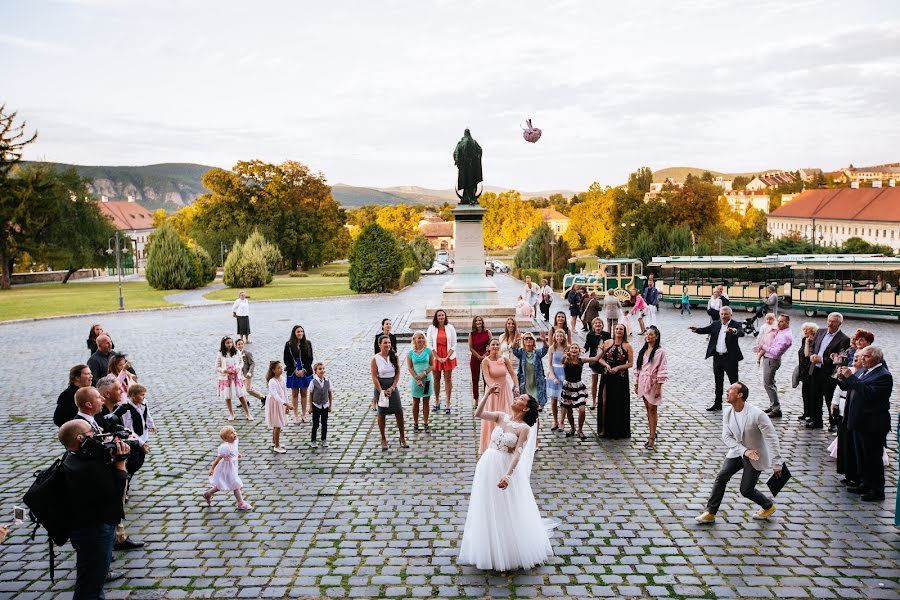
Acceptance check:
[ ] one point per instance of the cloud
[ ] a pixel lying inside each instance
(32, 45)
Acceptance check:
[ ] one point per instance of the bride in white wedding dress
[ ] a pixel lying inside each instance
(504, 530)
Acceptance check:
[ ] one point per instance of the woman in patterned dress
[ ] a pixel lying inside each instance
(616, 357)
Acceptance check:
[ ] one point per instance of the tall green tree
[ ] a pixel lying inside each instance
(376, 260)
(639, 181)
(423, 252)
(21, 218)
(169, 262)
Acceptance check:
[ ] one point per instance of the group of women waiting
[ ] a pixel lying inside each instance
(548, 367)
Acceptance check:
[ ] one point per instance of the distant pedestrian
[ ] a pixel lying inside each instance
(277, 404)
(79, 377)
(714, 305)
(321, 399)
(651, 298)
(574, 298)
(532, 295)
(441, 338)
(651, 371)
(385, 371)
(685, 303)
(753, 447)
(639, 310)
(479, 338)
(591, 311)
(612, 310)
(240, 310)
(223, 474)
(546, 299)
(228, 373)
(420, 364)
(298, 360)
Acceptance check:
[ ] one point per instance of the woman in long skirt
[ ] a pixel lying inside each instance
(617, 356)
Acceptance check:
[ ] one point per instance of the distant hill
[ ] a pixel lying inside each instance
(167, 185)
(680, 173)
(174, 185)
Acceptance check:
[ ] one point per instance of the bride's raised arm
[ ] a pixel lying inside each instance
(487, 415)
(517, 454)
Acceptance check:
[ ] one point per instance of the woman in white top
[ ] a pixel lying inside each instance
(240, 310)
(714, 305)
(441, 338)
(385, 370)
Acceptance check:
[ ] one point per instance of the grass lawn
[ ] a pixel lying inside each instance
(51, 299)
(290, 288)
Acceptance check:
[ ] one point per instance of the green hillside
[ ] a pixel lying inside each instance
(680, 173)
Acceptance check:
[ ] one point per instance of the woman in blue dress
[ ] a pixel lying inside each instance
(298, 361)
(555, 374)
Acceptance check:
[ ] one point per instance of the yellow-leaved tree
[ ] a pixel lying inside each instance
(508, 219)
(592, 219)
(401, 220)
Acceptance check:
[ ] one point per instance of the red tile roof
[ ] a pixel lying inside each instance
(442, 229)
(127, 216)
(551, 214)
(845, 204)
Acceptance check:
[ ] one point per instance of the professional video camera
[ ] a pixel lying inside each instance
(100, 445)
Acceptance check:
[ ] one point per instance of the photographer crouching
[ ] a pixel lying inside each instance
(95, 471)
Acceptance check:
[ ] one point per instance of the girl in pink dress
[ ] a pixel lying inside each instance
(223, 474)
(495, 369)
(651, 372)
(277, 404)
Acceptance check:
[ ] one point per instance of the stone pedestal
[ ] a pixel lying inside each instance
(469, 285)
(470, 293)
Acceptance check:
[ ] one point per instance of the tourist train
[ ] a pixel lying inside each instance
(814, 283)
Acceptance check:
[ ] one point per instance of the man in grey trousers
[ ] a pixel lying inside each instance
(773, 349)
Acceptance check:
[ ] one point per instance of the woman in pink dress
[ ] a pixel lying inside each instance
(495, 369)
(651, 372)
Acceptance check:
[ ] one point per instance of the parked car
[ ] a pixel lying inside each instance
(436, 269)
(500, 266)
(442, 256)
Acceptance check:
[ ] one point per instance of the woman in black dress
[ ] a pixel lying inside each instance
(298, 362)
(617, 356)
(592, 343)
(386, 326)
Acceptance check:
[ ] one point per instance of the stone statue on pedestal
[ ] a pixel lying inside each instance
(467, 157)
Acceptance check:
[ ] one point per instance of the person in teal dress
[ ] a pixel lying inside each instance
(420, 362)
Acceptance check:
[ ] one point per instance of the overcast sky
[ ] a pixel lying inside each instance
(378, 93)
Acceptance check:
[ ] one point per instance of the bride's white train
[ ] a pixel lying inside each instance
(504, 530)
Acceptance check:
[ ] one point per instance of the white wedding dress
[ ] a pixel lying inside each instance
(504, 530)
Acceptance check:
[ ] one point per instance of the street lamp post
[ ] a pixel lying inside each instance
(625, 227)
(118, 250)
(222, 250)
(552, 263)
(530, 257)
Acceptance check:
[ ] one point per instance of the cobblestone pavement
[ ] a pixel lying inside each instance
(351, 521)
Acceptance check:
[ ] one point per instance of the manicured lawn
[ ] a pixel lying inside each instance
(51, 299)
(290, 288)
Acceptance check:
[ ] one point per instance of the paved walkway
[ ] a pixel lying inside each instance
(354, 522)
(195, 297)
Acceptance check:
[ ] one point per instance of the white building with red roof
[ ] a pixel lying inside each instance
(835, 215)
(133, 220)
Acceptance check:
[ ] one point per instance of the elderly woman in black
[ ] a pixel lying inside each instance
(385, 370)
(298, 362)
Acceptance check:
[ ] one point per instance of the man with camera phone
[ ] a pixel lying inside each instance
(94, 467)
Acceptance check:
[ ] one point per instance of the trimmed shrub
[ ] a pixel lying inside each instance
(232, 261)
(204, 270)
(270, 251)
(251, 263)
(423, 253)
(376, 260)
(298, 274)
(169, 262)
(409, 276)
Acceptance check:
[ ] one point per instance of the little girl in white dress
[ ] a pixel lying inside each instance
(223, 474)
(504, 529)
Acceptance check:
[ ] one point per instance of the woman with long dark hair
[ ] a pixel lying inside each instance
(616, 357)
(651, 371)
(95, 332)
(479, 338)
(386, 326)
(441, 338)
(230, 382)
(559, 322)
(298, 361)
(385, 371)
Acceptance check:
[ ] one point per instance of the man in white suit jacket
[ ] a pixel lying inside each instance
(752, 448)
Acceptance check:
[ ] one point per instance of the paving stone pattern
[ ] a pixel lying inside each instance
(351, 521)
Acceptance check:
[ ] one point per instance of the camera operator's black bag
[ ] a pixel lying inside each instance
(48, 502)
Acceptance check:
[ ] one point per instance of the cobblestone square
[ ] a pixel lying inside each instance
(351, 521)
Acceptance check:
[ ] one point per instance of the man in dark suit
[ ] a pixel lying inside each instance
(827, 342)
(869, 419)
(723, 347)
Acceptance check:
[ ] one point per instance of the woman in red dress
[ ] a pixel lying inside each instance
(441, 338)
(479, 339)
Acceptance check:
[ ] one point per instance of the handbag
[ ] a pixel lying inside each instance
(775, 483)
(383, 401)
(795, 377)
(426, 387)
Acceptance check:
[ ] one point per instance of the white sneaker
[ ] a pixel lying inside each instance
(313, 445)
(324, 444)
(280, 449)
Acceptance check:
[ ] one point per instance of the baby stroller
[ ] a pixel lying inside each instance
(749, 324)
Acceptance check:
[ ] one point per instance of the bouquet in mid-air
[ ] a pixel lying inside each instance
(531, 133)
